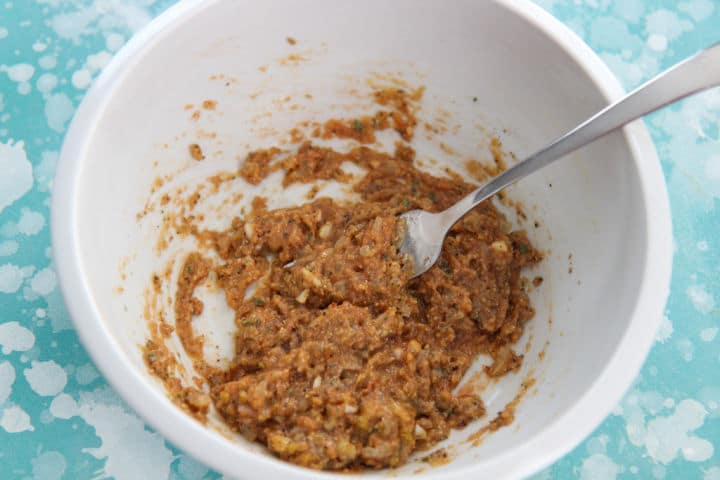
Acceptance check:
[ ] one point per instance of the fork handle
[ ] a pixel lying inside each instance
(698, 72)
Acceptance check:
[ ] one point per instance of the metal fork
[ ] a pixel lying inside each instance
(425, 231)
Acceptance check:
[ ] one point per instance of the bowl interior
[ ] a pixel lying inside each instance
(528, 89)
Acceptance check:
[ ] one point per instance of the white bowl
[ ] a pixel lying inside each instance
(605, 220)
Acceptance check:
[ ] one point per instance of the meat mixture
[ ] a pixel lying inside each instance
(343, 362)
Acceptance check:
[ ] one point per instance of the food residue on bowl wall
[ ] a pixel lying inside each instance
(342, 361)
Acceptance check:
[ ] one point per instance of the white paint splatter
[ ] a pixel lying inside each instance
(599, 467)
(7, 378)
(15, 338)
(712, 473)
(708, 334)
(657, 42)
(58, 110)
(101, 15)
(86, 374)
(46, 83)
(8, 229)
(630, 10)
(47, 62)
(665, 331)
(3, 33)
(658, 471)
(47, 379)
(668, 436)
(190, 469)
(633, 71)
(29, 295)
(17, 178)
(610, 33)
(597, 444)
(15, 420)
(22, 72)
(74, 24)
(39, 47)
(702, 245)
(64, 406)
(652, 402)
(31, 222)
(44, 281)
(8, 248)
(712, 169)
(131, 451)
(699, 10)
(666, 23)
(11, 277)
(686, 349)
(57, 312)
(45, 170)
(48, 466)
(114, 42)
(81, 79)
(45, 417)
(709, 395)
(701, 299)
(24, 88)
(635, 408)
(98, 61)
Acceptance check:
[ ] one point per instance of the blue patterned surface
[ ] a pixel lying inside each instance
(58, 417)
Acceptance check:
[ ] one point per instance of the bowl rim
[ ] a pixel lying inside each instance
(558, 438)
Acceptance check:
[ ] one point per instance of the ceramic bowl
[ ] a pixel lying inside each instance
(491, 68)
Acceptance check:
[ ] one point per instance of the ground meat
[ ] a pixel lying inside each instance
(341, 361)
(401, 117)
(257, 165)
(194, 271)
(196, 152)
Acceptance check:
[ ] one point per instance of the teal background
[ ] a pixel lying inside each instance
(58, 417)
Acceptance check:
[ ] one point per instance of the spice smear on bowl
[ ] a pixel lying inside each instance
(342, 362)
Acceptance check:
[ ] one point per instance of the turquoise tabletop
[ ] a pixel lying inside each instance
(60, 419)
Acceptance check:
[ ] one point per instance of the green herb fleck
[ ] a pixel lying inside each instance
(431, 196)
(259, 302)
(523, 248)
(446, 413)
(357, 126)
(405, 202)
(249, 323)
(474, 99)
